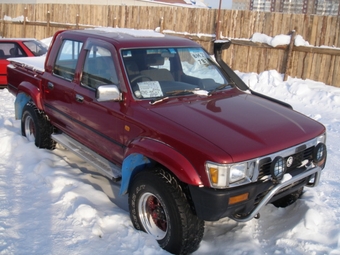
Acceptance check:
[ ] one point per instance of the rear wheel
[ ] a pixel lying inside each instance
(159, 207)
(36, 127)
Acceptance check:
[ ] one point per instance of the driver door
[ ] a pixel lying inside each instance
(100, 124)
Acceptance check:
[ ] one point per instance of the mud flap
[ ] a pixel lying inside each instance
(20, 101)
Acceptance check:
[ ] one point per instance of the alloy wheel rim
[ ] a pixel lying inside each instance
(153, 216)
(30, 129)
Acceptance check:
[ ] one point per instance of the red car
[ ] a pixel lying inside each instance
(17, 47)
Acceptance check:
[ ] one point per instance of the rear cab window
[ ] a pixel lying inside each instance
(67, 58)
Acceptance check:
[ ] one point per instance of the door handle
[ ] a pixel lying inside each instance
(79, 98)
(50, 85)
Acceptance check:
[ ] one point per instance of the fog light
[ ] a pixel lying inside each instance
(311, 179)
(319, 154)
(278, 168)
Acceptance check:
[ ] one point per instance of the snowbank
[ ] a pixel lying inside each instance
(51, 202)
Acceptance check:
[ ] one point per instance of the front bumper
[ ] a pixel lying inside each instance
(212, 204)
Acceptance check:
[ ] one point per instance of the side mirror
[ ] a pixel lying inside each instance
(108, 93)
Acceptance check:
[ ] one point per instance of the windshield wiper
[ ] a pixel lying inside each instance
(196, 91)
(155, 101)
(180, 91)
(170, 93)
(218, 88)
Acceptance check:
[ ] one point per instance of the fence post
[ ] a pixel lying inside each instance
(3, 25)
(161, 25)
(289, 55)
(24, 26)
(48, 24)
(77, 21)
(115, 22)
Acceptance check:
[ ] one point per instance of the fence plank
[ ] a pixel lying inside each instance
(329, 79)
(336, 74)
(337, 34)
(313, 30)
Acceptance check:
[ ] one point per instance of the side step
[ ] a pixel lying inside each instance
(104, 166)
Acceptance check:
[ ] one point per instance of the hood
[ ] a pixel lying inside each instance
(242, 125)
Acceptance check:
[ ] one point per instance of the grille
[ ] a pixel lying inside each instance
(298, 158)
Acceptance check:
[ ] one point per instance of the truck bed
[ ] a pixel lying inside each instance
(32, 63)
(27, 69)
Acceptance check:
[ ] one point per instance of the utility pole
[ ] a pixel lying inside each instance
(218, 25)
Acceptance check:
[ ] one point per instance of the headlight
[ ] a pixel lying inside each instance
(229, 175)
(321, 139)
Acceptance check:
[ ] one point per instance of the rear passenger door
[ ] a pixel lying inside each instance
(59, 86)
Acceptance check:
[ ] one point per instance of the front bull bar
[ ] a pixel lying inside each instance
(284, 183)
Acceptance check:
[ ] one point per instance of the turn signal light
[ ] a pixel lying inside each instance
(238, 199)
(213, 175)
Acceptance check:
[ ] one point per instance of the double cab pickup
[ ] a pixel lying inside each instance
(185, 137)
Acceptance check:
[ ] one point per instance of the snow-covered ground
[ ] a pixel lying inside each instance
(51, 202)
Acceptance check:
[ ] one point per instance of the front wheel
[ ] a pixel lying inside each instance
(36, 127)
(159, 207)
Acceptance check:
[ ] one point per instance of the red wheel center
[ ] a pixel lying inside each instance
(156, 211)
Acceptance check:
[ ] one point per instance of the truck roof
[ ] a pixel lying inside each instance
(131, 38)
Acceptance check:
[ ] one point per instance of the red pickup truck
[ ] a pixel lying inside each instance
(186, 138)
(17, 47)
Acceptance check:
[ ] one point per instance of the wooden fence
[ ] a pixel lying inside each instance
(316, 63)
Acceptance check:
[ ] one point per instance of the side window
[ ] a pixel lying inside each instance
(98, 68)
(11, 50)
(66, 62)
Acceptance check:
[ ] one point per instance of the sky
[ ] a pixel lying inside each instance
(52, 202)
(214, 4)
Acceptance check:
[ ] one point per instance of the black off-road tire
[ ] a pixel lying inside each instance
(36, 127)
(289, 199)
(157, 194)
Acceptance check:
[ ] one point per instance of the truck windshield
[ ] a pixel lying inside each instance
(158, 73)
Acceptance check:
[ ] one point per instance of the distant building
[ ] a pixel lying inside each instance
(240, 5)
(319, 7)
